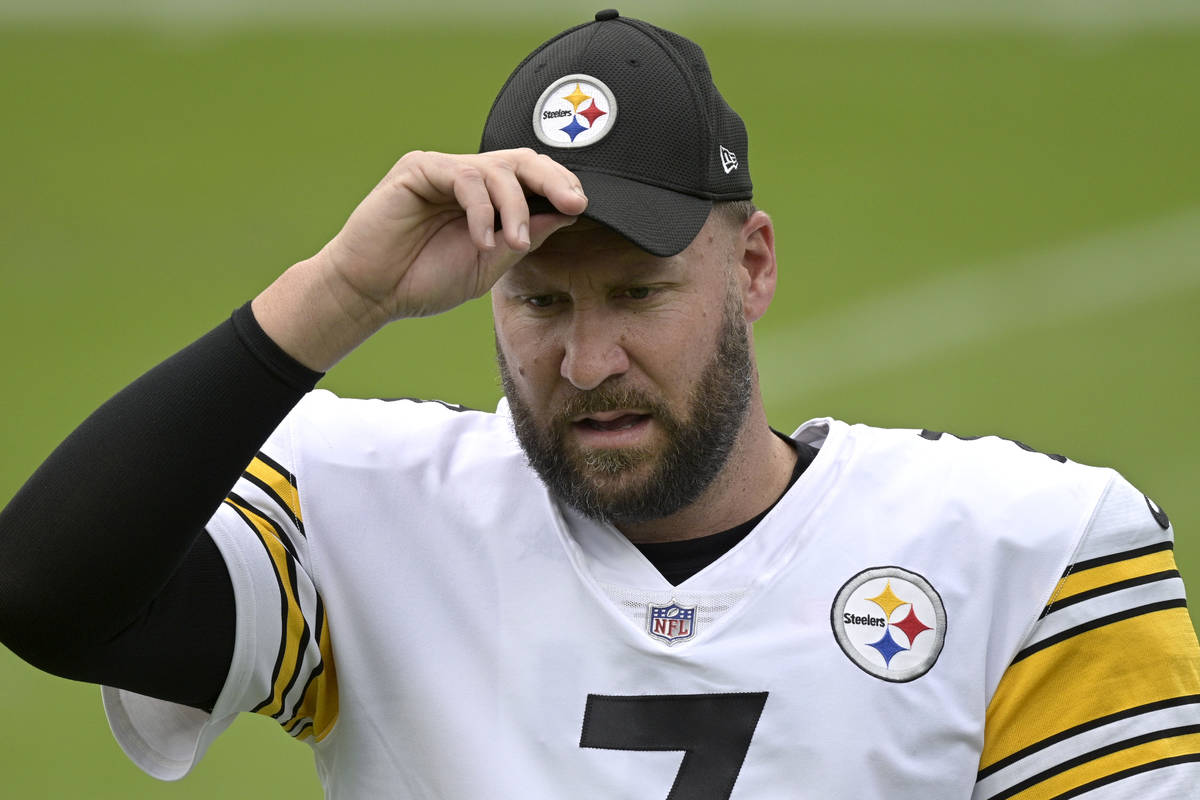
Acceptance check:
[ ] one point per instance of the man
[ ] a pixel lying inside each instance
(623, 583)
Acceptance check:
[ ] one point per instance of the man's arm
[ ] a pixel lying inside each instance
(101, 556)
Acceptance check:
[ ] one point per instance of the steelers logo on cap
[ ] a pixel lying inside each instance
(890, 622)
(574, 111)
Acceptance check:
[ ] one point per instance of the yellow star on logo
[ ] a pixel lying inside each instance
(576, 97)
(887, 600)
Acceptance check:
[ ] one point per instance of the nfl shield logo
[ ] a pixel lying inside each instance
(673, 623)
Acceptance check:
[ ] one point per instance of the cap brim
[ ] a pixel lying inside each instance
(659, 221)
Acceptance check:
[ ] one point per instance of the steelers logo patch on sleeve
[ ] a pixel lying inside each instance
(574, 111)
(890, 622)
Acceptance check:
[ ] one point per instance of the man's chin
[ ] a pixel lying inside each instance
(612, 467)
(605, 483)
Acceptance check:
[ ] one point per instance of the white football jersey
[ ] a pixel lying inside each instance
(920, 616)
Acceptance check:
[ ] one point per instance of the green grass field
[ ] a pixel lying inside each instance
(981, 232)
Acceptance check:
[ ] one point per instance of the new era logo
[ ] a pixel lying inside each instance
(728, 160)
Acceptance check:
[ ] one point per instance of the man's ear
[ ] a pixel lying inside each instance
(757, 247)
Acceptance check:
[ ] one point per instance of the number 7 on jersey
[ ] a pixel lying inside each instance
(713, 730)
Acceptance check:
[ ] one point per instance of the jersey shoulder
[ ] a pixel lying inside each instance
(988, 481)
(1071, 513)
(326, 430)
(1103, 694)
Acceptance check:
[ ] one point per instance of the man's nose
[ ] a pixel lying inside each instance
(594, 351)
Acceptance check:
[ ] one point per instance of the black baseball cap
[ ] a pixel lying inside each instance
(631, 109)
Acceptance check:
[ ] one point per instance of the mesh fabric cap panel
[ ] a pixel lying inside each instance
(728, 128)
(653, 175)
(661, 134)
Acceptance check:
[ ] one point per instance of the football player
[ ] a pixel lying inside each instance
(623, 582)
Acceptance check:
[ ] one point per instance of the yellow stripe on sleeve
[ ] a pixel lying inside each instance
(1094, 578)
(296, 625)
(1101, 671)
(279, 484)
(321, 700)
(1129, 758)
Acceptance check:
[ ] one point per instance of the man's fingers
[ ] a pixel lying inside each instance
(545, 176)
(471, 193)
(509, 200)
(427, 237)
(491, 189)
(515, 173)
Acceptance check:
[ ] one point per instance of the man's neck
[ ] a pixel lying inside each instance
(756, 474)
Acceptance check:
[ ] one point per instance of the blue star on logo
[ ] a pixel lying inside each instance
(573, 128)
(887, 647)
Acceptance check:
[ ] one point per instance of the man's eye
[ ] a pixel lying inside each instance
(638, 292)
(540, 300)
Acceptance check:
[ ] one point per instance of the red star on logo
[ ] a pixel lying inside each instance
(911, 626)
(591, 114)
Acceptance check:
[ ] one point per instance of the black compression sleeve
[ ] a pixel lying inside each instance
(104, 576)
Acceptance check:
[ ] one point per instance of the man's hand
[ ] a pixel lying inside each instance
(420, 243)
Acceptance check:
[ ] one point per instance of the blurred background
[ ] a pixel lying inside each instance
(988, 219)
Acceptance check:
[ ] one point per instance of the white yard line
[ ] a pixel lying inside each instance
(978, 303)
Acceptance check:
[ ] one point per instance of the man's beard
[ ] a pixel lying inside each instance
(598, 482)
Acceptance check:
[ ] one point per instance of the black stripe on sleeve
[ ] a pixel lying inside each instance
(1127, 773)
(1085, 727)
(316, 671)
(292, 721)
(1099, 622)
(270, 492)
(276, 499)
(1113, 558)
(301, 647)
(1099, 591)
(296, 725)
(279, 532)
(1115, 747)
(283, 602)
(275, 465)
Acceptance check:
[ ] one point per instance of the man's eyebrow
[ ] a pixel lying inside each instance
(647, 267)
(527, 278)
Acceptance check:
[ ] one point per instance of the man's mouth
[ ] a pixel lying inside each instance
(623, 422)
(611, 420)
